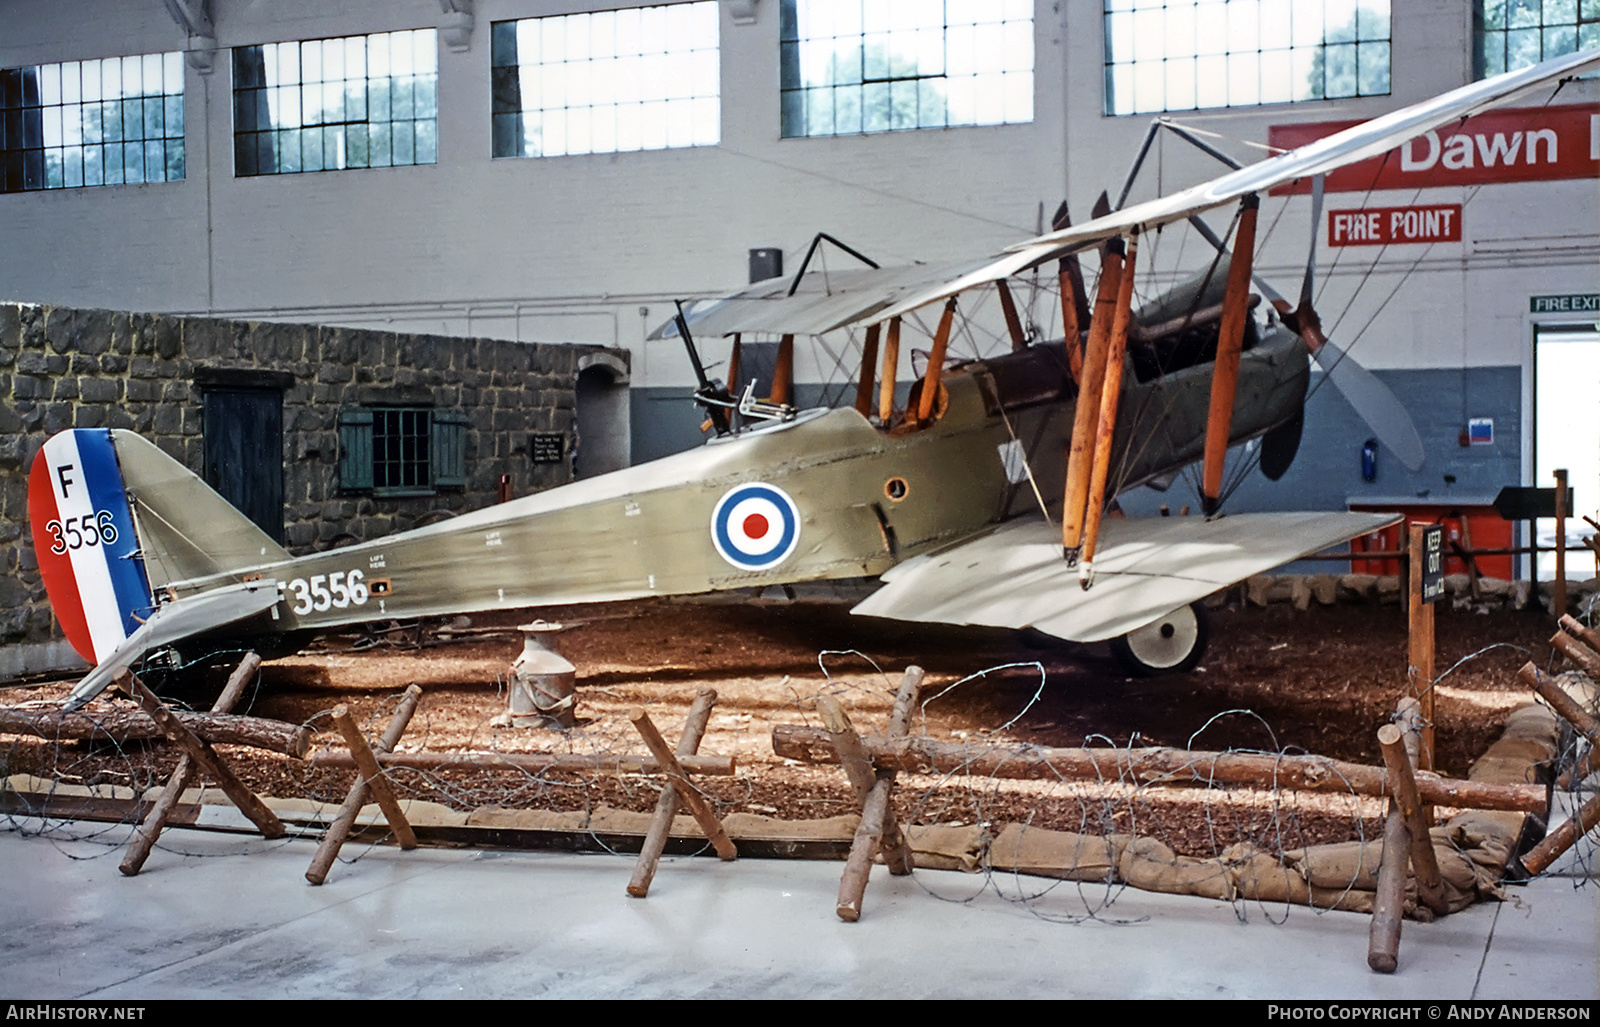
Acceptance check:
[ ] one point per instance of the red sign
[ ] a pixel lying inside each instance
(1521, 144)
(1385, 226)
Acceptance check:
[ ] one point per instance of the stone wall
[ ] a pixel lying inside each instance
(62, 368)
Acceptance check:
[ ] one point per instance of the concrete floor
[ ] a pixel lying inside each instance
(230, 915)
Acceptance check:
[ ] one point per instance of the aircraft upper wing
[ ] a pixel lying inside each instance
(1357, 143)
(824, 300)
(1014, 577)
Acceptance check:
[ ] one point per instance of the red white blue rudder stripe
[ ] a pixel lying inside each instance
(84, 538)
(755, 526)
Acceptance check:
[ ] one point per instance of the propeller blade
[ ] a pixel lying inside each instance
(1279, 446)
(1311, 254)
(1376, 404)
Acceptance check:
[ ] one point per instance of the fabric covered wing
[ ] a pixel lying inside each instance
(1015, 577)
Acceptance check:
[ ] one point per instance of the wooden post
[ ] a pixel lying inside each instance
(685, 788)
(1420, 668)
(373, 775)
(1086, 411)
(339, 830)
(783, 373)
(1388, 905)
(869, 364)
(1403, 782)
(1558, 593)
(144, 837)
(891, 368)
(204, 757)
(935, 368)
(1008, 307)
(1230, 341)
(1110, 396)
(655, 841)
(1566, 707)
(1539, 858)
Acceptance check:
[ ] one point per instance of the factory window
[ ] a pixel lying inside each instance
(326, 104)
(106, 122)
(642, 78)
(851, 66)
(402, 451)
(1181, 55)
(1512, 34)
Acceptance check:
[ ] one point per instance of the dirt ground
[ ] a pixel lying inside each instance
(1274, 679)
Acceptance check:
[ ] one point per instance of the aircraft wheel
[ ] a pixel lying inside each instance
(1170, 645)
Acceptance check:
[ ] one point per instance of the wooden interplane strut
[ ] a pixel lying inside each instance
(1086, 415)
(1110, 395)
(1230, 343)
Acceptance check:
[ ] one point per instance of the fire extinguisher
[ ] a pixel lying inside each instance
(1369, 460)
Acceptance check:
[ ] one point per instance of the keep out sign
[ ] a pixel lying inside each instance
(1385, 226)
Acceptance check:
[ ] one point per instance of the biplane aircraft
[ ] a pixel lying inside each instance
(979, 501)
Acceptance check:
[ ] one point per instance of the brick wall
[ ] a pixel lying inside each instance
(62, 368)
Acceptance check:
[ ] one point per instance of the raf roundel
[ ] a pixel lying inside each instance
(755, 526)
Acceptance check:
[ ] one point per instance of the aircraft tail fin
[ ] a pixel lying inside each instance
(114, 519)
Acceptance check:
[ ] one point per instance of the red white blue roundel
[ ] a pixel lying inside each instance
(755, 526)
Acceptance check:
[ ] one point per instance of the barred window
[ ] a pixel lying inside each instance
(642, 78)
(99, 122)
(328, 104)
(1512, 34)
(853, 66)
(1178, 55)
(402, 451)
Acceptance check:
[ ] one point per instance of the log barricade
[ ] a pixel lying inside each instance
(125, 725)
(672, 799)
(530, 762)
(1154, 765)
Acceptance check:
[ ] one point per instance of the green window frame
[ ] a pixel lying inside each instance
(1512, 34)
(402, 451)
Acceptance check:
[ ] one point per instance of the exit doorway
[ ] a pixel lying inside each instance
(1566, 433)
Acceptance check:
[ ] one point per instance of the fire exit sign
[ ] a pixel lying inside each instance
(1571, 303)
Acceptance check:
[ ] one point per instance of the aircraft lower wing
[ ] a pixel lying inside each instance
(1144, 568)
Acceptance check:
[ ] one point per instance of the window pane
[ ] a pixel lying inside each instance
(640, 78)
(1189, 54)
(350, 102)
(50, 111)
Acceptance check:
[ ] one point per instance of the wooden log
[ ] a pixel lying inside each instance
(1588, 636)
(1389, 903)
(1586, 659)
(852, 755)
(144, 837)
(897, 855)
(1424, 864)
(530, 762)
(372, 774)
(1153, 766)
(205, 758)
(125, 725)
(1565, 705)
(703, 815)
(655, 840)
(339, 830)
(1539, 858)
(868, 839)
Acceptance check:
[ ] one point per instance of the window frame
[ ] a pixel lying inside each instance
(446, 433)
(1278, 45)
(46, 110)
(1585, 32)
(294, 100)
(589, 56)
(985, 95)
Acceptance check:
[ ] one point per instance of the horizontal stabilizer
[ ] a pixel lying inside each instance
(174, 622)
(1144, 568)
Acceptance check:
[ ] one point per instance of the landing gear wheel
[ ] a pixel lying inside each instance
(1170, 645)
